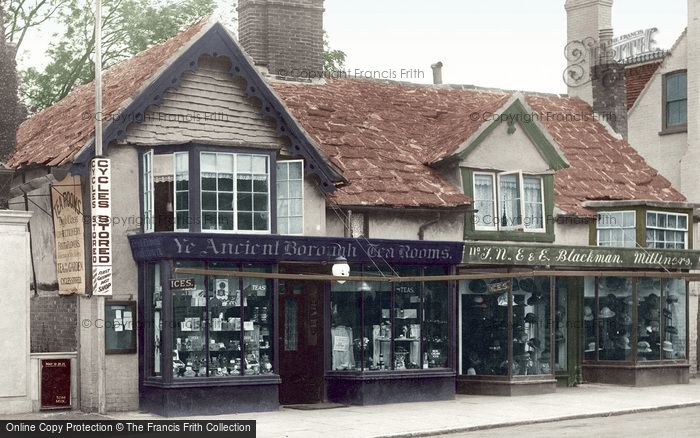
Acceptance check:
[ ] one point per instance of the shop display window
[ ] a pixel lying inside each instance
(648, 319)
(615, 318)
(590, 345)
(674, 314)
(380, 326)
(561, 324)
(223, 326)
(157, 309)
(487, 335)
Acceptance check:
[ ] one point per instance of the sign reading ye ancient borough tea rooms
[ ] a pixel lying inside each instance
(580, 256)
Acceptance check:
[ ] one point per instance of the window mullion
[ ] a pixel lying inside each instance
(234, 202)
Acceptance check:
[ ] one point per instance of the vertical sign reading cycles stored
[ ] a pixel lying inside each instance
(101, 204)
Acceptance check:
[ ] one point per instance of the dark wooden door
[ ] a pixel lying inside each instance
(301, 342)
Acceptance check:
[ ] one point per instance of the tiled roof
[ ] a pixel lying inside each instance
(637, 78)
(602, 167)
(380, 134)
(53, 136)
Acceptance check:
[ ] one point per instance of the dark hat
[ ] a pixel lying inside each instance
(478, 286)
(559, 336)
(667, 313)
(652, 300)
(527, 284)
(534, 299)
(531, 318)
(671, 299)
(672, 330)
(534, 343)
(519, 298)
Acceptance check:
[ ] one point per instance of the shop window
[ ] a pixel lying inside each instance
(486, 335)
(166, 191)
(590, 343)
(236, 337)
(290, 197)
(617, 229)
(675, 101)
(561, 324)
(153, 276)
(235, 192)
(667, 230)
(673, 313)
(615, 318)
(379, 326)
(508, 201)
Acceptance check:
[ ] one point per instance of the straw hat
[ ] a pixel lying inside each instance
(644, 347)
(587, 314)
(668, 347)
(606, 313)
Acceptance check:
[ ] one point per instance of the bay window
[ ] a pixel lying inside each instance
(508, 201)
(667, 230)
(617, 229)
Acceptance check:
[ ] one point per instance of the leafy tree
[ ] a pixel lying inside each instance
(333, 59)
(128, 27)
(23, 15)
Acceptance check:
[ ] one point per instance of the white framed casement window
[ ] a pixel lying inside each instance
(667, 230)
(181, 192)
(235, 192)
(290, 197)
(617, 229)
(485, 217)
(147, 181)
(508, 201)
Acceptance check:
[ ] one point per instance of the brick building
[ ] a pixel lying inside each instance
(499, 255)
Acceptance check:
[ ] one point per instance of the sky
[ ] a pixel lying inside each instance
(510, 44)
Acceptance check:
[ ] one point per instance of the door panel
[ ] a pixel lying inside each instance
(301, 342)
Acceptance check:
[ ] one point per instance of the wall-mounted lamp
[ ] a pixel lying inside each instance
(341, 268)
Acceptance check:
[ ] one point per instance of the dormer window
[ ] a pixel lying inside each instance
(508, 201)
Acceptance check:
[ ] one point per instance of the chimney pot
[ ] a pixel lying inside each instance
(437, 73)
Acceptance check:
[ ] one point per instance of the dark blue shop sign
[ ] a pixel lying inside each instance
(271, 248)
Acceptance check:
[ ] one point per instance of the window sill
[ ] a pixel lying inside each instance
(674, 130)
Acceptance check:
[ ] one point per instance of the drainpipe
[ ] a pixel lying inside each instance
(422, 228)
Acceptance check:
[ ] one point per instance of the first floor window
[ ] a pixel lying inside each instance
(617, 229)
(508, 201)
(166, 191)
(667, 230)
(676, 94)
(290, 197)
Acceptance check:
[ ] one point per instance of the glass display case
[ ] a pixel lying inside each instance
(223, 326)
(383, 326)
(506, 327)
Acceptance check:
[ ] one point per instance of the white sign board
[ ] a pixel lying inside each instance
(101, 208)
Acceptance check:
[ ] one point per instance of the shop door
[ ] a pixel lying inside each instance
(301, 342)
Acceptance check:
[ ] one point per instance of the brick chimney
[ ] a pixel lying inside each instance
(584, 21)
(9, 103)
(284, 36)
(608, 85)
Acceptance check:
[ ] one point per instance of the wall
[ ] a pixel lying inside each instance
(503, 151)
(314, 208)
(691, 161)
(663, 152)
(15, 395)
(571, 234)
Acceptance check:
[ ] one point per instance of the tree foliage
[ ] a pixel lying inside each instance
(21, 16)
(128, 27)
(333, 59)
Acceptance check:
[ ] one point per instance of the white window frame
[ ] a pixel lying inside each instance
(277, 196)
(494, 194)
(633, 227)
(235, 229)
(148, 191)
(175, 174)
(497, 213)
(667, 213)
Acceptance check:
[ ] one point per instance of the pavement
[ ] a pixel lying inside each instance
(463, 414)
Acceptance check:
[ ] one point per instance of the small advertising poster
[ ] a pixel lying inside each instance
(101, 205)
(67, 208)
(55, 384)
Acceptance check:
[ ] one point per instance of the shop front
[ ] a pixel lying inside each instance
(532, 316)
(239, 323)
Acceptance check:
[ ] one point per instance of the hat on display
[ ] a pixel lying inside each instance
(651, 315)
(668, 314)
(654, 326)
(671, 298)
(534, 343)
(559, 336)
(591, 347)
(471, 372)
(495, 346)
(643, 347)
(587, 314)
(652, 300)
(672, 330)
(606, 313)
(519, 299)
(478, 286)
(668, 347)
(531, 318)
(561, 312)
(503, 299)
(626, 319)
(625, 343)
(527, 284)
(534, 299)
(479, 300)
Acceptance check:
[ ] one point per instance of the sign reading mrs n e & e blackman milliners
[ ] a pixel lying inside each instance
(579, 256)
(101, 204)
(69, 243)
